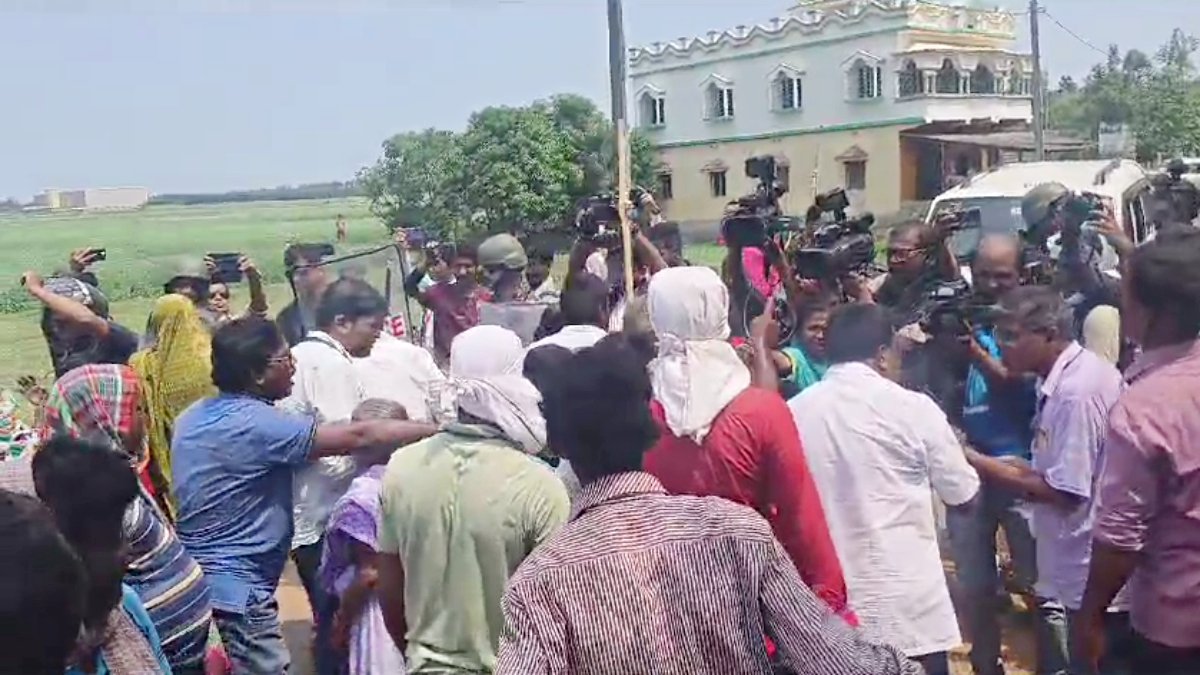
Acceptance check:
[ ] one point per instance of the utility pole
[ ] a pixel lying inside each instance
(1039, 85)
(618, 57)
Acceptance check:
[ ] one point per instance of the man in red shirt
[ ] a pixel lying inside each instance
(724, 438)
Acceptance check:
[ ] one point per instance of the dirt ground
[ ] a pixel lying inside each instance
(297, 630)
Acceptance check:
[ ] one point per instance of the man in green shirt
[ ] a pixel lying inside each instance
(462, 509)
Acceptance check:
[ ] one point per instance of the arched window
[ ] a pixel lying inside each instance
(653, 109)
(982, 80)
(718, 102)
(912, 80)
(788, 90)
(948, 81)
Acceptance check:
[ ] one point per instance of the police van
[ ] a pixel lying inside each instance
(998, 192)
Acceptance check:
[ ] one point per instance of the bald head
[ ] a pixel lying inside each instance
(1003, 248)
(997, 266)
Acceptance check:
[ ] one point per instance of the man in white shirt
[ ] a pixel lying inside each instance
(585, 315)
(876, 451)
(326, 385)
(397, 370)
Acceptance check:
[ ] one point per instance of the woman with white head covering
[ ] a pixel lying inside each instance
(723, 437)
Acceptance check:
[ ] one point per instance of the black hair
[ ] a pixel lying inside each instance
(543, 363)
(539, 254)
(241, 352)
(584, 301)
(1165, 277)
(598, 409)
(444, 252)
(857, 332)
(813, 304)
(644, 344)
(351, 298)
(467, 250)
(42, 590)
(296, 255)
(551, 323)
(88, 487)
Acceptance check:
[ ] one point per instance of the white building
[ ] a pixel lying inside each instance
(93, 199)
(866, 94)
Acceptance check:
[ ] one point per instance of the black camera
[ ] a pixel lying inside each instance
(598, 218)
(757, 217)
(837, 248)
(950, 308)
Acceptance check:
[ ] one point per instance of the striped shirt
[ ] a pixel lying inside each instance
(640, 581)
(166, 579)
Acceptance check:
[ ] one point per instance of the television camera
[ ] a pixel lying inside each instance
(838, 247)
(598, 218)
(757, 217)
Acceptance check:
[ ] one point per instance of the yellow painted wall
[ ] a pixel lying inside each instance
(692, 197)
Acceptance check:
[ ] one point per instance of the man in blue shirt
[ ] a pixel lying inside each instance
(235, 457)
(997, 415)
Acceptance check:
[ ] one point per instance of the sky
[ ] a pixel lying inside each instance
(214, 95)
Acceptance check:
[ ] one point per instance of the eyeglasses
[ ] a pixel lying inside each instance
(218, 296)
(284, 359)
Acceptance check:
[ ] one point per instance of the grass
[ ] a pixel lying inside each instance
(143, 246)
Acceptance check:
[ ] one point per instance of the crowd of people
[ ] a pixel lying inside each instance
(651, 484)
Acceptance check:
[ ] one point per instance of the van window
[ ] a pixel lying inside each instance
(1000, 215)
(1137, 225)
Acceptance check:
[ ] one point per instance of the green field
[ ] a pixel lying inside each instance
(144, 245)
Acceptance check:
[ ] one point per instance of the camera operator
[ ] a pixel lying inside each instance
(599, 250)
(996, 417)
(917, 260)
(1051, 209)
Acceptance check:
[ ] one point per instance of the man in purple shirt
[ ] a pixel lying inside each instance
(1147, 528)
(1077, 389)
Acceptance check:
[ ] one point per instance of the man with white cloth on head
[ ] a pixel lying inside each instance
(461, 510)
(725, 438)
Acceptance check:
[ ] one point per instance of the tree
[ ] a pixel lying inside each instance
(518, 168)
(1167, 122)
(511, 168)
(417, 182)
(591, 136)
(1156, 98)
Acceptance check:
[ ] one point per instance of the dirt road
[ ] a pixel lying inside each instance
(297, 630)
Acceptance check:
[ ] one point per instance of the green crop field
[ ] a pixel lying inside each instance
(144, 245)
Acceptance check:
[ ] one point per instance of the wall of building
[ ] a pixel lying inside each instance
(116, 198)
(821, 44)
(692, 199)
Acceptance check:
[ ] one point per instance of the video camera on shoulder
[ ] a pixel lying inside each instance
(757, 217)
(598, 218)
(839, 247)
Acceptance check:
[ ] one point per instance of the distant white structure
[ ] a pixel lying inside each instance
(93, 199)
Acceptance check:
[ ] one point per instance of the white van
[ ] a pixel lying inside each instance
(997, 194)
